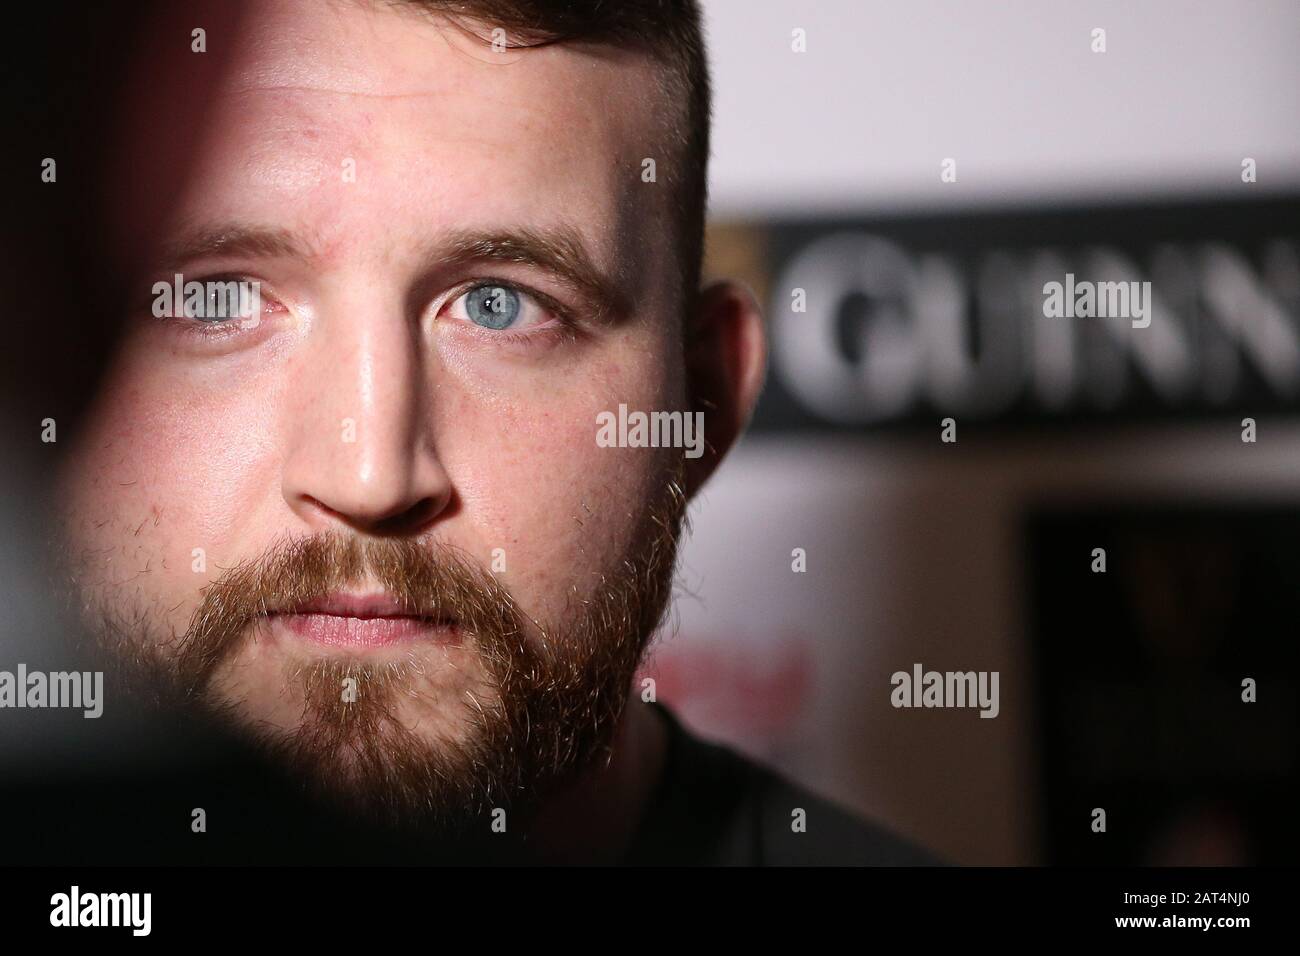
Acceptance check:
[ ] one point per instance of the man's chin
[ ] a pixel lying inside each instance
(389, 776)
(400, 734)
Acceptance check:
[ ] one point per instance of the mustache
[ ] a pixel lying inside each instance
(428, 579)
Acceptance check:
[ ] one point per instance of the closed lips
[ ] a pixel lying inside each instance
(359, 621)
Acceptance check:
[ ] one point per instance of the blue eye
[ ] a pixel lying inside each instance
(493, 306)
(219, 304)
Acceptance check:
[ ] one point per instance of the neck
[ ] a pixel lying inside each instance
(594, 818)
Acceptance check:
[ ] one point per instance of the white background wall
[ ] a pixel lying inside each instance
(1011, 90)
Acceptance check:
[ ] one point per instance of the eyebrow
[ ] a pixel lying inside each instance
(559, 251)
(235, 240)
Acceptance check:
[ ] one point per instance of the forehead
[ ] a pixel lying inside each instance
(358, 124)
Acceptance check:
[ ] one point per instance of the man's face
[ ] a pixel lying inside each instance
(460, 267)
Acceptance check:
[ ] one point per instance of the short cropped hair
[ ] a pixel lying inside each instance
(670, 32)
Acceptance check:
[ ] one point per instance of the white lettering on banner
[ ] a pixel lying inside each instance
(921, 314)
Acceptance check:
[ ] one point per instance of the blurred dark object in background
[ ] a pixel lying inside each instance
(1141, 671)
(64, 303)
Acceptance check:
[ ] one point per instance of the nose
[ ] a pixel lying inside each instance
(359, 449)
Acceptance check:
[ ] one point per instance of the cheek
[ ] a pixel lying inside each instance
(534, 483)
(152, 478)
